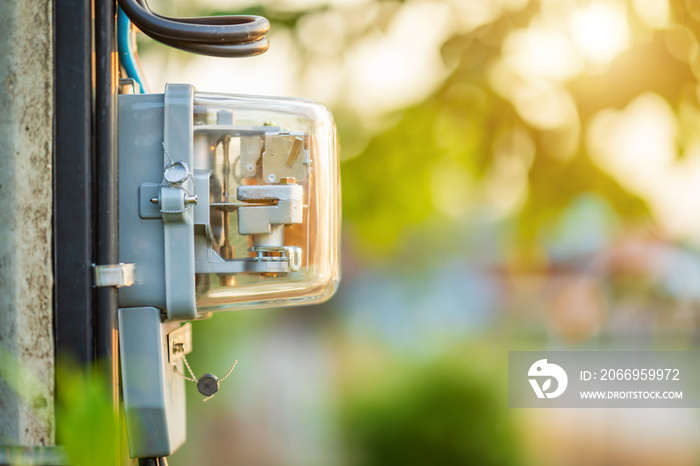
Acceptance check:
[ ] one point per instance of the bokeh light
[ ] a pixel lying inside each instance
(600, 30)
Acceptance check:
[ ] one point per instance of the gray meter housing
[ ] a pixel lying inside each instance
(226, 202)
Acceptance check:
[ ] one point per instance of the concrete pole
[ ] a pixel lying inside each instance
(26, 277)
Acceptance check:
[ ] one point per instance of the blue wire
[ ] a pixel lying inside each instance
(127, 53)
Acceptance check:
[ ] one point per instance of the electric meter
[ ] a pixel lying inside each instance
(225, 202)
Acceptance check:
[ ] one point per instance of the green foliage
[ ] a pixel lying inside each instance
(554, 184)
(387, 187)
(87, 426)
(442, 413)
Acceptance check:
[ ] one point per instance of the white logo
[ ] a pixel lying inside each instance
(542, 369)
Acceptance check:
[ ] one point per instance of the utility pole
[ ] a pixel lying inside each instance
(58, 211)
(26, 197)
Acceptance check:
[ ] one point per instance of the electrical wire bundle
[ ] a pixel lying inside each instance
(128, 58)
(218, 36)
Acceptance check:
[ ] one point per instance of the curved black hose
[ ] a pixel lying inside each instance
(218, 36)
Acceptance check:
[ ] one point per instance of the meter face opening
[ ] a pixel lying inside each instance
(269, 235)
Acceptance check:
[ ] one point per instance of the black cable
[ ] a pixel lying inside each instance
(218, 36)
(158, 461)
(148, 461)
(105, 206)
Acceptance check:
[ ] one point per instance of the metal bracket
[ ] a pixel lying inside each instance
(114, 275)
(178, 216)
(147, 209)
(129, 86)
(179, 342)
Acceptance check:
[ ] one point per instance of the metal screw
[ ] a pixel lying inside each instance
(154, 200)
(288, 180)
(190, 199)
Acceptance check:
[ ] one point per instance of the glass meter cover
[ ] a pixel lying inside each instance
(272, 168)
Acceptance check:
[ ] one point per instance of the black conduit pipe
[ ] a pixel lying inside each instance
(219, 36)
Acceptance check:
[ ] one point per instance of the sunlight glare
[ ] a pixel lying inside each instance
(655, 13)
(542, 52)
(544, 106)
(638, 146)
(600, 31)
(386, 71)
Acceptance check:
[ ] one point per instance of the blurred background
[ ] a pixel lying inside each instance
(517, 175)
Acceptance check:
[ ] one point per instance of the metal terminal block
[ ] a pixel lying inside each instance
(114, 275)
(261, 220)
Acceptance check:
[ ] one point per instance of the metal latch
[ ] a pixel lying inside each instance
(179, 342)
(114, 275)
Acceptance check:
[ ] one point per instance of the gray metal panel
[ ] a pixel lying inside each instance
(162, 249)
(154, 396)
(141, 161)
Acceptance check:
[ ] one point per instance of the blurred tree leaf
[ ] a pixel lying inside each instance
(442, 413)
